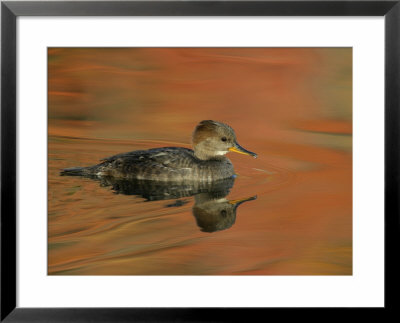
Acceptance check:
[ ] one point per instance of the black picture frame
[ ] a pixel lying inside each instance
(11, 10)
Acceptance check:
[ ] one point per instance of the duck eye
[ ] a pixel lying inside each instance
(223, 138)
(223, 213)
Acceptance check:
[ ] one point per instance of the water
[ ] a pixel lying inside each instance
(290, 106)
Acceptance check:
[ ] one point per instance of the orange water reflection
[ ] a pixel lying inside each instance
(290, 106)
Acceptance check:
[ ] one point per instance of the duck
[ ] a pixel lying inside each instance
(206, 162)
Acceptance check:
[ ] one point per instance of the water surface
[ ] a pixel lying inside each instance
(290, 106)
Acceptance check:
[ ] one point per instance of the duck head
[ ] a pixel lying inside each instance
(212, 139)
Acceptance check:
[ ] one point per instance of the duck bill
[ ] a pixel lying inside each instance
(239, 149)
(236, 203)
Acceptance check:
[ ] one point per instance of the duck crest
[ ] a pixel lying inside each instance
(207, 129)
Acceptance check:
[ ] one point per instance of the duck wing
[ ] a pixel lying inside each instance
(148, 164)
(167, 156)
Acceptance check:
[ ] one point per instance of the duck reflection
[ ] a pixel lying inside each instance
(216, 214)
(212, 210)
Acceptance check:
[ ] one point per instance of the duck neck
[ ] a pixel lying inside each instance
(204, 154)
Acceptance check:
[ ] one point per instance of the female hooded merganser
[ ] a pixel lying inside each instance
(206, 162)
